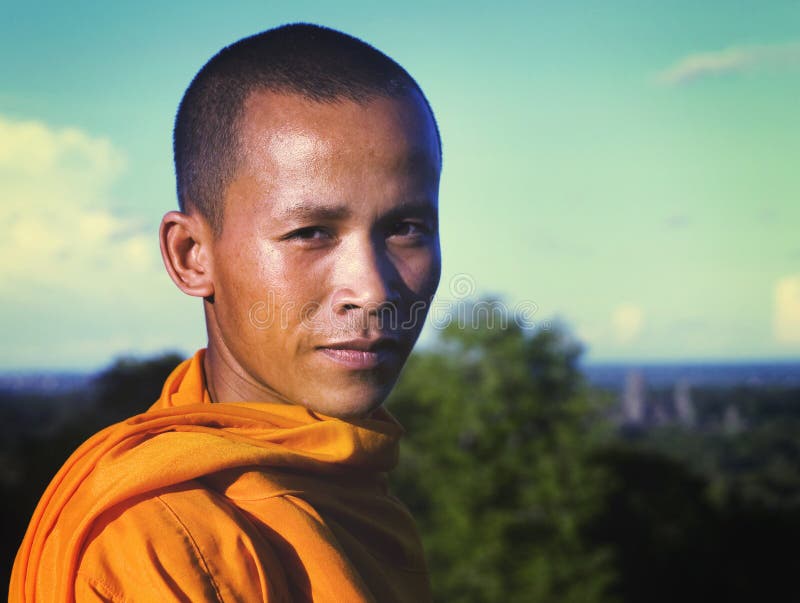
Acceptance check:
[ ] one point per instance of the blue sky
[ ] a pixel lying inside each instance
(626, 168)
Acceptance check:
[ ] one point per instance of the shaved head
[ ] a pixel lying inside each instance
(313, 62)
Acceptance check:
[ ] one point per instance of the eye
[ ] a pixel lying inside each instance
(409, 229)
(309, 233)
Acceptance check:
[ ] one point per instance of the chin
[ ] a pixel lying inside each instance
(349, 394)
(356, 404)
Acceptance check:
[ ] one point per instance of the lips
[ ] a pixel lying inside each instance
(361, 354)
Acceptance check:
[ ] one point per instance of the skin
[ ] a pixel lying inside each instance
(317, 287)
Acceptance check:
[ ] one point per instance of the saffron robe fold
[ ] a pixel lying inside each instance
(202, 501)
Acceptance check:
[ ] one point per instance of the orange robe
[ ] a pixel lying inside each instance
(194, 501)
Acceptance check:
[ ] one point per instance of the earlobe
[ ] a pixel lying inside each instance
(185, 248)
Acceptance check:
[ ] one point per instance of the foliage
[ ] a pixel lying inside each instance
(494, 466)
(706, 513)
(757, 465)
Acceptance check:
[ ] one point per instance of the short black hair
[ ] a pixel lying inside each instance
(312, 61)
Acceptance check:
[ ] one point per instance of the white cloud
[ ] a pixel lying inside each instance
(730, 60)
(81, 282)
(627, 321)
(786, 320)
(57, 228)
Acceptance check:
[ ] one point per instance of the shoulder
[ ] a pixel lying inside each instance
(181, 543)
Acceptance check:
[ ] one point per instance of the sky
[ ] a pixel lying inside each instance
(626, 169)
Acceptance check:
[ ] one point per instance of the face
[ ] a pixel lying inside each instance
(329, 251)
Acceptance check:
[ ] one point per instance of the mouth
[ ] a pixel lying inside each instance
(362, 354)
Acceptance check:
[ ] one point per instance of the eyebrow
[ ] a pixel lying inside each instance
(304, 211)
(312, 211)
(417, 209)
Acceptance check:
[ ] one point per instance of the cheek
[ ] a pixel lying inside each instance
(294, 289)
(245, 290)
(421, 272)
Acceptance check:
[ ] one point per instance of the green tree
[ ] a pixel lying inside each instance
(495, 466)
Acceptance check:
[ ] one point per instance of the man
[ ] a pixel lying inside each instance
(307, 170)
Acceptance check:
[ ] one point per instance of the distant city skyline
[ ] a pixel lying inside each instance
(628, 171)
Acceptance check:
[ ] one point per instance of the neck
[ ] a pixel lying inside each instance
(226, 379)
(228, 382)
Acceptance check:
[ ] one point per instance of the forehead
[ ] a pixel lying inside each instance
(379, 129)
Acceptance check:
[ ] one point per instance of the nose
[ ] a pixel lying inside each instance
(365, 279)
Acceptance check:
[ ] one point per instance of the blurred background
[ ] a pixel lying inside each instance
(619, 418)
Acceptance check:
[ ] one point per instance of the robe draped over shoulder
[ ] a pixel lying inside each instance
(200, 501)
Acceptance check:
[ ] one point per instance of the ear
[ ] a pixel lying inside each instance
(186, 250)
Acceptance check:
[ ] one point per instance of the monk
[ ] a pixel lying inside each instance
(307, 170)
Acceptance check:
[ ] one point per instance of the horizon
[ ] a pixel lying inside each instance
(582, 364)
